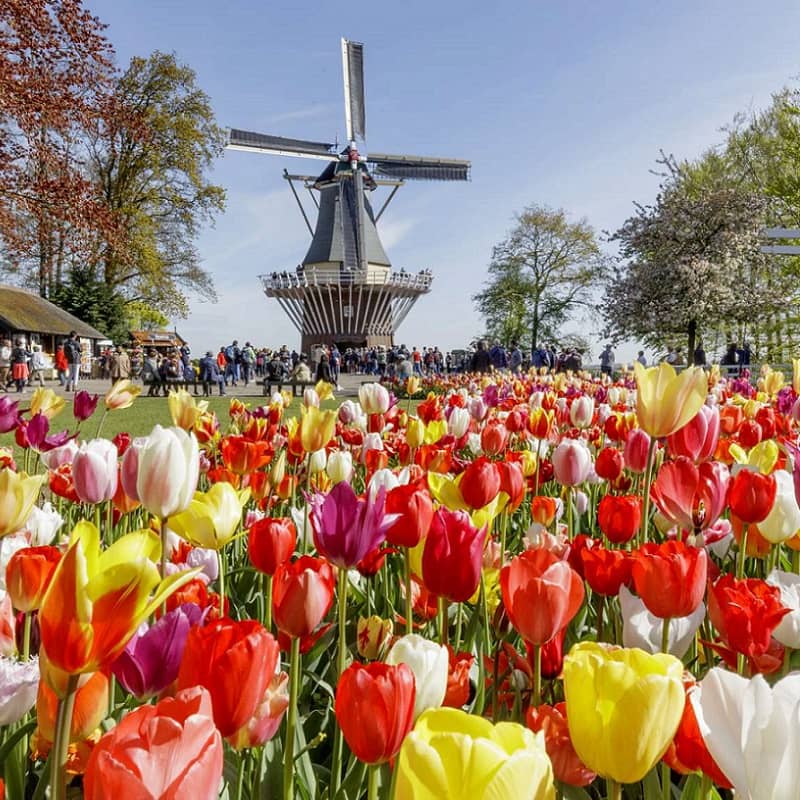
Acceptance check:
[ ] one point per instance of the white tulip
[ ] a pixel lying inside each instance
(474, 443)
(642, 629)
(783, 521)
(310, 397)
(54, 458)
(340, 466)
(752, 731)
(19, 682)
(43, 525)
(429, 662)
(317, 461)
(168, 471)
(374, 398)
(8, 546)
(788, 630)
(458, 423)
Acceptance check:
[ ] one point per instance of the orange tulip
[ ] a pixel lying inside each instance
(91, 703)
(243, 456)
(28, 575)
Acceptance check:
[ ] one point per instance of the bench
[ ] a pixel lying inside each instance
(297, 387)
(169, 383)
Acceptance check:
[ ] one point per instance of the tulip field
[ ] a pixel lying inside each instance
(512, 588)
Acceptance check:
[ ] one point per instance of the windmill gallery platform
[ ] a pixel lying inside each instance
(345, 291)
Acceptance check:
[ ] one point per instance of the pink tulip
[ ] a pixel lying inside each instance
(636, 447)
(572, 462)
(697, 439)
(129, 471)
(692, 497)
(581, 411)
(94, 471)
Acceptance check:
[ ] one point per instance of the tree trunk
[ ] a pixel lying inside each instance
(691, 343)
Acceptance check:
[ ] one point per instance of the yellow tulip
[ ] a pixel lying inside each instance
(121, 395)
(451, 754)
(623, 707)
(316, 428)
(434, 430)
(750, 408)
(324, 390)
(212, 517)
(184, 409)
(46, 402)
(796, 375)
(763, 457)
(98, 598)
(18, 493)
(771, 381)
(277, 470)
(373, 636)
(415, 432)
(412, 385)
(528, 461)
(445, 490)
(665, 401)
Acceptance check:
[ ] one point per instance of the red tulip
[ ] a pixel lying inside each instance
(375, 709)
(512, 482)
(451, 560)
(243, 456)
(670, 578)
(609, 463)
(480, 483)
(751, 495)
(637, 443)
(494, 438)
(458, 687)
(606, 570)
(28, 575)
(270, 542)
(543, 510)
(567, 766)
(233, 660)
(414, 508)
(541, 594)
(745, 613)
(691, 497)
(619, 517)
(688, 752)
(171, 750)
(697, 439)
(750, 434)
(302, 594)
(552, 656)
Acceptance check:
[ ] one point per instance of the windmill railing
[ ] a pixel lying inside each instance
(308, 277)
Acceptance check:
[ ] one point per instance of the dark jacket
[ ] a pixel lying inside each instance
(481, 362)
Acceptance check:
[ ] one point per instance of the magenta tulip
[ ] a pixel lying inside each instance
(9, 414)
(83, 405)
(637, 444)
(347, 527)
(151, 659)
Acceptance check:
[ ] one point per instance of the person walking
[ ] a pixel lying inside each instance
(481, 360)
(607, 361)
(515, 359)
(5, 364)
(39, 363)
(210, 374)
(19, 364)
(62, 366)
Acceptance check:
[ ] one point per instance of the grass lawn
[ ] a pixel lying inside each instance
(139, 419)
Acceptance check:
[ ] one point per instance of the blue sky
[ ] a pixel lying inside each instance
(562, 103)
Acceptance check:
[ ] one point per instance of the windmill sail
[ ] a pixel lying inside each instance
(280, 145)
(353, 65)
(423, 168)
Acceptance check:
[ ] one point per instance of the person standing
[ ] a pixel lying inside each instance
(120, 365)
(248, 362)
(641, 358)
(481, 361)
(209, 373)
(607, 361)
(5, 364)
(39, 363)
(515, 361)
(699, 356)
(19, 364)
(72, 352)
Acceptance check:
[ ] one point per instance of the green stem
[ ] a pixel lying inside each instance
(538, 462)
(407, 580)
(665, 635)
(795, 561)
(613, 790)
(26, 637)
(268, 609)
(291, 721)
(374, 774)
(221, 579)
(648, 479)
(503, 531)
(163, 564)
(742, 553)
(666, 781)
(304, 549)
(100, 424)
(58, 777)
(537, 675)
(109, 521)
(442, 620)
(601, 601)
(570, 521)
(705, 787)
(459, 615)
(341, 658)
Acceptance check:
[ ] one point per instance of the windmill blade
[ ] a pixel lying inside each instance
(420, 168)
(353, 66)
(279, 145)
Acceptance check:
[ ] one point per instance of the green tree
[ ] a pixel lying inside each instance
(94, 302)
(540, 275)
(691, 263)
(150, 159)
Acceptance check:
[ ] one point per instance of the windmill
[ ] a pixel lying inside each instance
(344, 291)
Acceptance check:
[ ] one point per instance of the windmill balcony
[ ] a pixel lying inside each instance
(335, 275)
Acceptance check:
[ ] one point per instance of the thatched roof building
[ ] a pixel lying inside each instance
(23, 313)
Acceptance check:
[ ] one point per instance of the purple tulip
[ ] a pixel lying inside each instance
(346, 527)
(9, 414)
(150, 661)
(36, 430)
(84, 404)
